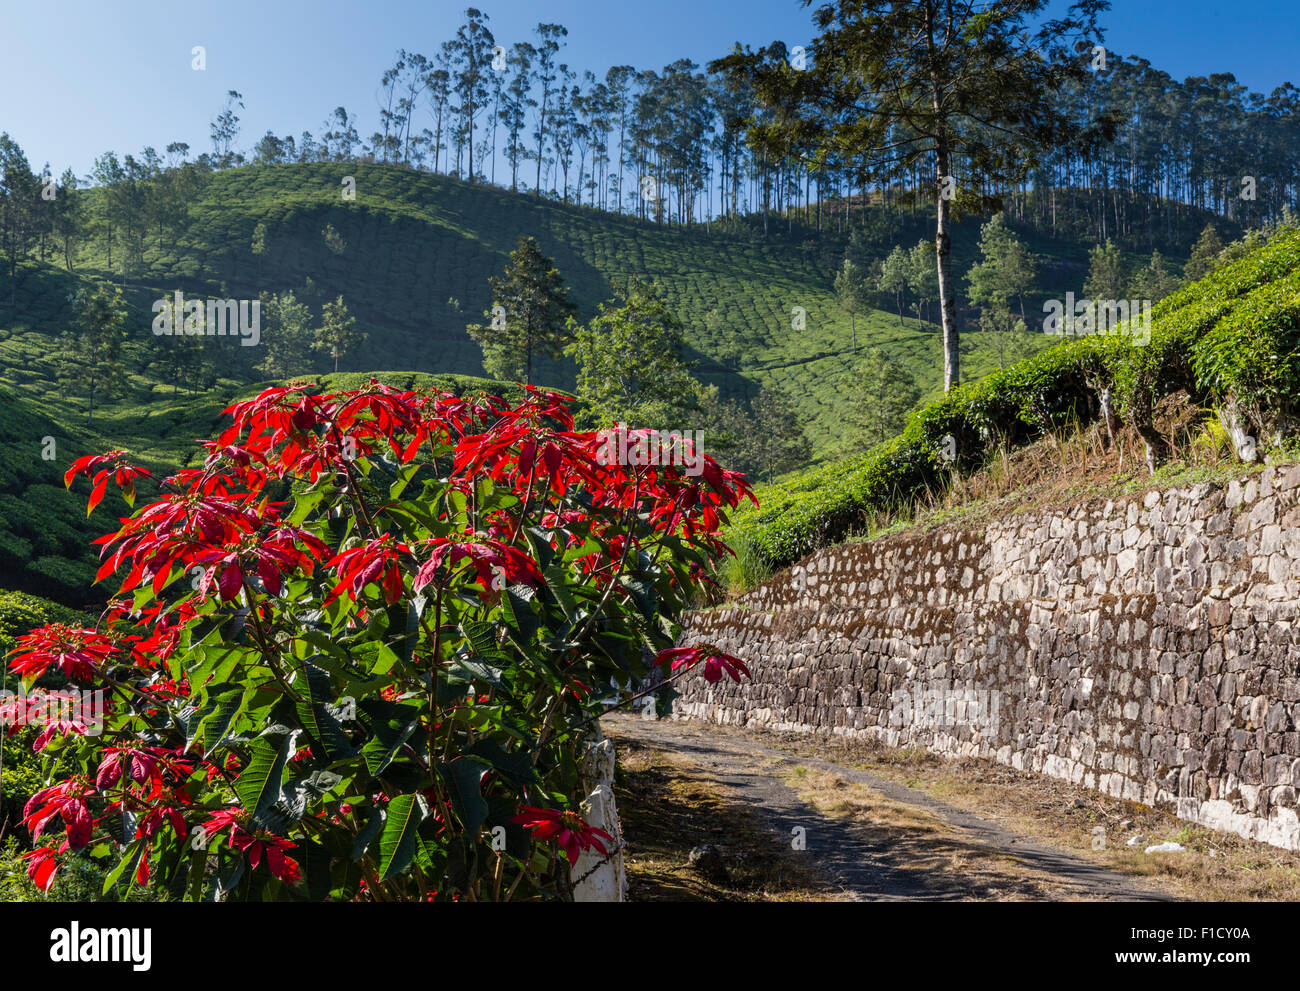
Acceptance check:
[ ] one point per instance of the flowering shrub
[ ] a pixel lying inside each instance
(356, 652)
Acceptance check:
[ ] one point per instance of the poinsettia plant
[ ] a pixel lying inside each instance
(356, 651)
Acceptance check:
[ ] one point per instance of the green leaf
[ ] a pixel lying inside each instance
(456, 503)
(540, 540)
(387, 740)
(404, 477)
(314, 860)
(465, 775)
(398, 843)
(643, 594)
(469, 669)
(524, 622)
(374, 823)
(212, 723)
(557, 582)
(304, 504)
(405, 616)
(517, 767)
(316, 718)
(130, 858)
(482, 637)
(258, 785)
(588, 546)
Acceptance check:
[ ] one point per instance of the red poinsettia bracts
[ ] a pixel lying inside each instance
(521, 448)
(715, 661)
(73, 652)
(254, 844)
(143, 765)
(567, 828)
(61, 713)
(376, 560)
(67, 799)
(270, 556)
(496, 564)
(164, 624)
(165, 808)
(101, 466)
(42, 865)
(170, 532)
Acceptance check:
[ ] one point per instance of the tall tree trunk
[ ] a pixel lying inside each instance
(943, 256)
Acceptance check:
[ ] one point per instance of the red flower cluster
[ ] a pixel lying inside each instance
(71, 651)
(42, 865)
(67, 799)
(254, 844)
(101, 465)
(493, 561)
(568, 829)
(715, 661)
(377, 560)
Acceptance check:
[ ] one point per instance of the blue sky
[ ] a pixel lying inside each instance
(85, 76)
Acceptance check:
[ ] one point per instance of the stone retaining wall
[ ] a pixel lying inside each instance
(1145, 647)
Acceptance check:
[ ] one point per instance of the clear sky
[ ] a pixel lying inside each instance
(83, 76)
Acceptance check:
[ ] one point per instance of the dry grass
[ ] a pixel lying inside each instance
(669, 806)
(1073, 466)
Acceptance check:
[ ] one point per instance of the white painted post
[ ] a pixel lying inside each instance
(598, 878)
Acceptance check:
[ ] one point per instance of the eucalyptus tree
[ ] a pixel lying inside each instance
(385, 142)
(517, 103)
(644, 130)
(471, 51)
(340, 138)
(564, 122)
(549, 42)
(414, 81)
(496, 99)
(618, 82)
(439, 89)
(224, 131)
(685, 121)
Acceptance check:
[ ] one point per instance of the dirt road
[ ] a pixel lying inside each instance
(870, 838)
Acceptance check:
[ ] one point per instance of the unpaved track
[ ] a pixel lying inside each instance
(753, 773)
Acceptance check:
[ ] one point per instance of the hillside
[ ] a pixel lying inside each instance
(418, 250)
(416, 244)
(1226, 346)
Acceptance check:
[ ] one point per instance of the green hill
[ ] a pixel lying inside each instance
(418, 250)
(414, 242)
(1231, 340)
